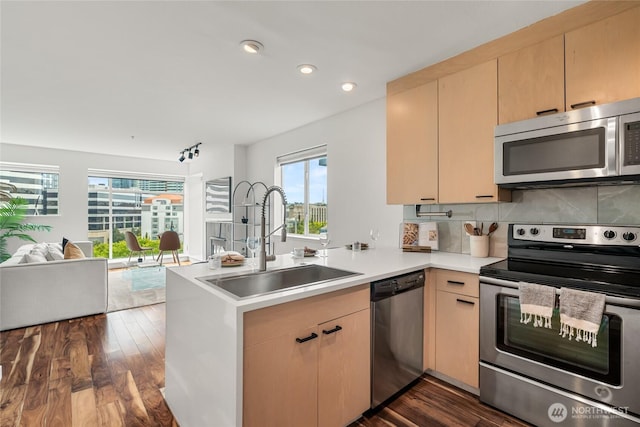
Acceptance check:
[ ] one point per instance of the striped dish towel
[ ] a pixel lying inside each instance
(536, 303)
(581, 315)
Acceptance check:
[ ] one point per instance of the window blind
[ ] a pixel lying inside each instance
(297, 156)
(104, 173)
(29, 167)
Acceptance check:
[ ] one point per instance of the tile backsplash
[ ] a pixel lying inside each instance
(615, 204)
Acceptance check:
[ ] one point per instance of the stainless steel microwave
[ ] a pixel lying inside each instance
(595, 145)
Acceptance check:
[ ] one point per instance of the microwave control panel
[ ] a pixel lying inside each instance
(631, 143)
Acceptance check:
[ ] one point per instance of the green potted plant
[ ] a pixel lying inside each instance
(12, 214)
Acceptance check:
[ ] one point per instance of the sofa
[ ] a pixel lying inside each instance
(41, 284)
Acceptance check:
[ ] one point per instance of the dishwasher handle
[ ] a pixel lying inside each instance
(396, 285)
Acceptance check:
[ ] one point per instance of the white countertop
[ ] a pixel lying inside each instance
(372, 264)
(204, 377)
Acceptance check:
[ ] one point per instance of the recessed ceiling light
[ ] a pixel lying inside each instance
(307, 68)
(348, 86)
(251, 46)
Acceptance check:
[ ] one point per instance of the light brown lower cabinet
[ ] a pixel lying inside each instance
(280, 381)
(457, 326)
(316, 374)
(343, 373)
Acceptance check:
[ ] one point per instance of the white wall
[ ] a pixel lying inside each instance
(72, 219)
(356, 165)
(215, 161)
(356, 151)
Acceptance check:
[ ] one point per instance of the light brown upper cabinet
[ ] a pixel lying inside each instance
(603, 61)
(467, 115)
(531, 81)
(412, 145)
(581, 62)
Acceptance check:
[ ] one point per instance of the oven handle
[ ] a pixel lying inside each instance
(609, 299)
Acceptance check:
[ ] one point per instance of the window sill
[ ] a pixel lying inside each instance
(303, 237)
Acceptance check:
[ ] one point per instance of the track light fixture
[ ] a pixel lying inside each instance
(192, 152)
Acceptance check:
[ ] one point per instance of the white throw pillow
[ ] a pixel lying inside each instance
(24, 249)
(34, 257)
(55, 252)
(40, 248)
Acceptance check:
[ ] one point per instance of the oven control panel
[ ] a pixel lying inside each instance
(578, 234)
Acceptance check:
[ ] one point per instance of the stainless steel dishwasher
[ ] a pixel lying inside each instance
(397, 307)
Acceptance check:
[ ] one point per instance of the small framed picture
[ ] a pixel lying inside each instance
(218, 195)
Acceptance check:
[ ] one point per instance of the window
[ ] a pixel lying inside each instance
(37, 184)
(303, 176)
(147, 206)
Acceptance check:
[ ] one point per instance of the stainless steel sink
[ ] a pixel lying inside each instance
(264, 282)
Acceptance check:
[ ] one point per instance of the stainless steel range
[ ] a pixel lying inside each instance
(537, 374)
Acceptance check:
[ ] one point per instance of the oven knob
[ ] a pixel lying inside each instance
(534, 231)
(629, 237)
(609, 234)
(520, 231)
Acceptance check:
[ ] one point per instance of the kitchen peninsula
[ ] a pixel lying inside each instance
(206, 327)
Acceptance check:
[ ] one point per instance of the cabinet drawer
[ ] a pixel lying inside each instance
(458, 282)
(270, 322)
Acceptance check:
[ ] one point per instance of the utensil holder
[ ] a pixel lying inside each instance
(479, 246)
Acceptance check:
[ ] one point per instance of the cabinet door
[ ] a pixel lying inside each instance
(412, 145)
(531, 81)
(468, 114)
(457, 337)
(344, 369)
(281, 381)
(603, 61)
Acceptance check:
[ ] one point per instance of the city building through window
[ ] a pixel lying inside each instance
(37, 184)
(146, 207)
(303, 176)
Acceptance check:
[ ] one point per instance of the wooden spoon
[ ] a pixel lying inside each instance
(471, 231)
(493, 227)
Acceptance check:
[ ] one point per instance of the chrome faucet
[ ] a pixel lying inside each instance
(263, 220)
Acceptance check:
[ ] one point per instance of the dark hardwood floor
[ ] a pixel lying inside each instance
(108, 370)
(431, 402)
(104, 370)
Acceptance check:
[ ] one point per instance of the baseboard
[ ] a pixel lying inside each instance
(454, 382)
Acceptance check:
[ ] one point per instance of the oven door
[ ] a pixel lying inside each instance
(607, 373)
(583, 150)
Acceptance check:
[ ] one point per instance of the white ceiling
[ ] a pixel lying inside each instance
(148, 78)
